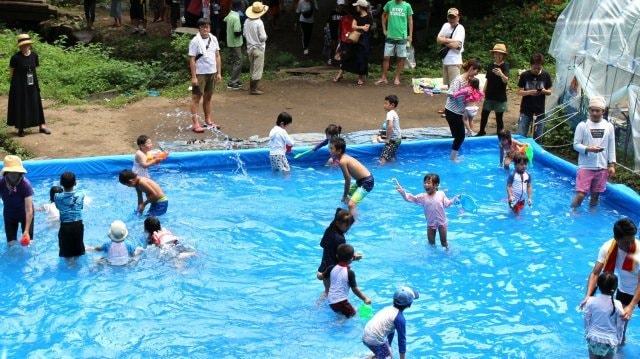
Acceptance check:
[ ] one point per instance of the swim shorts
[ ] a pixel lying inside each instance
(591, 180)
(362, 187)
(601, 349)
(71, 239)
(279, 163)
(518, 206)
(381, 351)
(159, 207)
(396, 48)
(344, 307)
(390, 149)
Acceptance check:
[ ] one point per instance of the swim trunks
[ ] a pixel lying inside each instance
(159, 207)
(362, 187)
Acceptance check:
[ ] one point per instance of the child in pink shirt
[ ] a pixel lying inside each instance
(472, 95)
(434, 202)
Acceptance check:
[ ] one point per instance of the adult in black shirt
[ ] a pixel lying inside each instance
(534, 85)
(495, 89)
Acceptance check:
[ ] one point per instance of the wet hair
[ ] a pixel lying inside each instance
(151, 224)
(607, 284)
(68, 180)
(333, 130)
(472, 64)
(142, 139)
(392, 99)
(126, 176)
(342, 216)
(53, 190)
(339, 144)
(434, 178)
(284, 118)
(520, 158)
(504, 134)
(474, 83)
(536, 59)
(344, 252)
(624, 227)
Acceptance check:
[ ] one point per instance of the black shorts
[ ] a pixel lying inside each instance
(624, 298)
(137, 10)
(71, 239)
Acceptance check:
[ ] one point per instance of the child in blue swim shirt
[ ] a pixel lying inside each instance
(119, 252)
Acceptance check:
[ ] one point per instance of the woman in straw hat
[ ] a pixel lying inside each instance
(495, 89)
(25, 105)
(16, 193)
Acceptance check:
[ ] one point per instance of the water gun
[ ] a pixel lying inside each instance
(303, 153)
(527, 150)
(157, 154)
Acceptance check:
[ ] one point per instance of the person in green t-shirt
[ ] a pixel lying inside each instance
(234, 43)
(397, 25)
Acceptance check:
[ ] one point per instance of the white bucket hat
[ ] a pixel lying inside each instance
(118, 231)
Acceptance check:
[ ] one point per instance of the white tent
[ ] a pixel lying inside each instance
(597, 42)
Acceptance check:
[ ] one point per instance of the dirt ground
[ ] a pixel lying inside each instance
(313, 101)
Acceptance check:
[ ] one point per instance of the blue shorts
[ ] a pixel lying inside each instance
(380, 351)
(158, 207)
(397, 48)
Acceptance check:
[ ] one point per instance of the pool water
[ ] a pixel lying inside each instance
(509, 287)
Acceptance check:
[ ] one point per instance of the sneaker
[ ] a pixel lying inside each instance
(143, 32)
(233, 86)
(306, 51)
(135, 31)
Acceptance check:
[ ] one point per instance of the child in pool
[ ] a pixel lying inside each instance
(280, 143)
(164, 239)
(508, 148)
(518, 183)
(332, 238)
(379, 331)
(145, 156)
(119, 250)
(392, 131)
(53, 215)
(351, 167)
(70, 203)
(603, 323)
(330, 132)
(472, 95)
(340, 278)
(155, 195)
(433, 202)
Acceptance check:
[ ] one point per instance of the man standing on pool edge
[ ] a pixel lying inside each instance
(595, 142)
(205, 65)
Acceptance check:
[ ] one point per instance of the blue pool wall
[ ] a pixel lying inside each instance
(618, 195)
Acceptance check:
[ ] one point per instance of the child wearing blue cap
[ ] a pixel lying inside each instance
(379, 331)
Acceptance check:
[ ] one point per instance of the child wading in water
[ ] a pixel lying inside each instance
(392, 131)
(351, 168)
(603, 323)
(280, 143)
(332, 238)
(472, 95)
(519, 183)
(508, 148)
(433, 202)
(146, 156)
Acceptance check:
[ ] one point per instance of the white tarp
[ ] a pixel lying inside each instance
(598, 42)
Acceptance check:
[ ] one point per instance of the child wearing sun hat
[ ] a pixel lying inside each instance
(119, 251)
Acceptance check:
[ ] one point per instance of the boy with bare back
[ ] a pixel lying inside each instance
(351, 168)
(155, 196)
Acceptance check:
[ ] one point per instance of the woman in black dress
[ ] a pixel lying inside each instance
(355, 57)
(25, 105)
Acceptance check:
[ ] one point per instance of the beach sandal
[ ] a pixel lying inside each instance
(441, 111)
(381, 81)
(396, 82)
(337, 79)
(360, 83)
(197, 129)
(212, 125)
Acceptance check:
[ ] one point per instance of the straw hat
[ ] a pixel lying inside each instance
(12, 164)
(256, 10)
(118, 231)
(499, 48)
(24, 39)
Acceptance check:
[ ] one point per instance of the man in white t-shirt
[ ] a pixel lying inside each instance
(206, 70)
(595, 142)
(619, 255)
(451, 35)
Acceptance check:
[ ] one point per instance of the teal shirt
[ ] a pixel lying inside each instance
(233, 25)
(397, 25)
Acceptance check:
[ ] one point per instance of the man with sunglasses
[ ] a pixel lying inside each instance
(595, 141)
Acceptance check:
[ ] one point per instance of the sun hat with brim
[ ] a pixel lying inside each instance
(24, 39)
(118, 231)
(256, 10)
(405, 296)
(12, 163)
(501, 48)
(361, 3)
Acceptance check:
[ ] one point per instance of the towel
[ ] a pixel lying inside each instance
(610, 261)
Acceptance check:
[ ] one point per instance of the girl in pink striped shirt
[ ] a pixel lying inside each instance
(433, 202)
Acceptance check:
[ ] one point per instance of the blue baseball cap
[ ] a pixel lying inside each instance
(405, 296)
